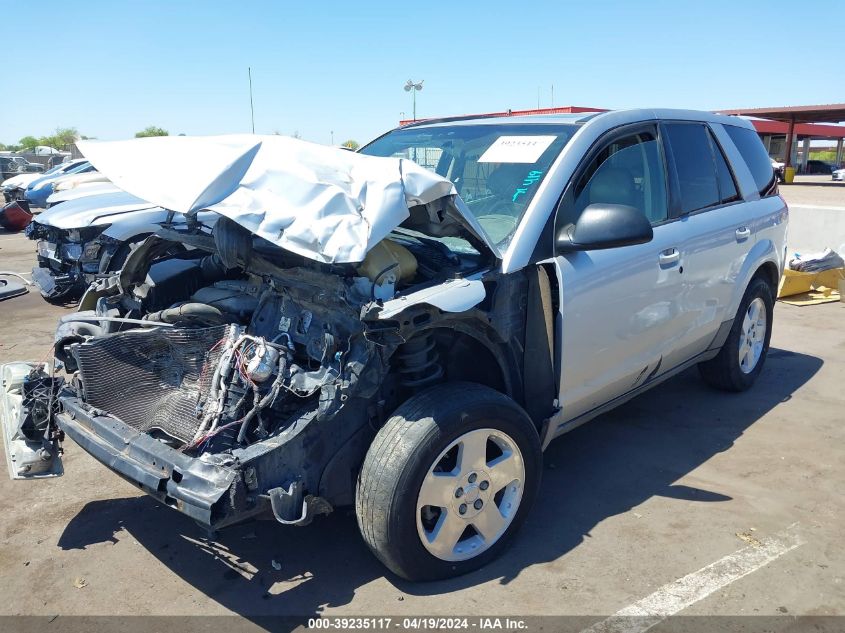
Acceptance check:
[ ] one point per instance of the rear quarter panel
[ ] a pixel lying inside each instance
(769, 219)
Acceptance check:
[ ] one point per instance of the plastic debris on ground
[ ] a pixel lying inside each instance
(828, 259)
(15, 216)
(812, 279)
(9, 289)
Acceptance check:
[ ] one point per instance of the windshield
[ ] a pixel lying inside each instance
(496, 168)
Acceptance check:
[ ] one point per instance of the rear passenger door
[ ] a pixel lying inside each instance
(716, 228)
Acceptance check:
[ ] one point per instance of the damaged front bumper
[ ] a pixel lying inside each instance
(202, 490)
(270, 481)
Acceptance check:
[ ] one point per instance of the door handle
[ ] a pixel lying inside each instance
(669, 257)
(743, 233)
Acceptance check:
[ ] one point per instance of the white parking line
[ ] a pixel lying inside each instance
(678, 595)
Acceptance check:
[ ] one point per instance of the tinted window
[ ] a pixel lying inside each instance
(727, 186)
(627, 171)
(693, 165)
(755, 156)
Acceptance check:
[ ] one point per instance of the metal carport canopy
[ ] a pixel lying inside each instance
(828, 113)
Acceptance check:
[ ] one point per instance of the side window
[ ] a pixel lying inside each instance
(693, 165)
(727, 186)
(755, 156)
(627, 171)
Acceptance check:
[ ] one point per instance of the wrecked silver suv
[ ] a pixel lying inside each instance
(358, 329)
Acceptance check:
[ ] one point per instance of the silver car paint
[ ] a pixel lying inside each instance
(624, 319)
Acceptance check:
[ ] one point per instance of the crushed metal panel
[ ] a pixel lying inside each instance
(321, 202)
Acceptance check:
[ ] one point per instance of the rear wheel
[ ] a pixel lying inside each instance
(447, 481)
(743, 354)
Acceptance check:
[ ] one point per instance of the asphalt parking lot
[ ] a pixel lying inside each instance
(679, 479)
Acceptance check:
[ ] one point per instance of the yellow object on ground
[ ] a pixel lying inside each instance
(801, 289)
(789, 175)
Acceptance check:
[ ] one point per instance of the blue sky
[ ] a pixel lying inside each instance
(328, 66)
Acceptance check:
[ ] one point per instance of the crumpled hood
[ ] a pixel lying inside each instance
(321, 202)
(91, 210)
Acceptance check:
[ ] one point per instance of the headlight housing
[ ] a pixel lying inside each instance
(83, 244)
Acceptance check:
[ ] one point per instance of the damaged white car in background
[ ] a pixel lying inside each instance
(88, 237)
(405, 328)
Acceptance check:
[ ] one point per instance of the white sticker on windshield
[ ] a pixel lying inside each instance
(516, 149)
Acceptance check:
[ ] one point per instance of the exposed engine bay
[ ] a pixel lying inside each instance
(219, 351)
(259, 373)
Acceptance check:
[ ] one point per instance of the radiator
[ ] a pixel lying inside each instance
(152, 378)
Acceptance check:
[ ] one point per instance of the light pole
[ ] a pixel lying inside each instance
(251, 109)
(412, 87)
(332, 138)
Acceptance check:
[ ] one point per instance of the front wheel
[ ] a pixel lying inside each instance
(447, 481)
(741, 358)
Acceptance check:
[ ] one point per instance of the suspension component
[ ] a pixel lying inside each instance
(419, 362)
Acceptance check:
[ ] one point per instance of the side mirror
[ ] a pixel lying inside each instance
(605, 226)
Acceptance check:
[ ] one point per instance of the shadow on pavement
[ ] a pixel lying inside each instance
(602, 469)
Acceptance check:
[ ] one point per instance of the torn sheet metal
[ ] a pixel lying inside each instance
(321, 202)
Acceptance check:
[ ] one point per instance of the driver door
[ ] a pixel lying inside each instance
(620, 307)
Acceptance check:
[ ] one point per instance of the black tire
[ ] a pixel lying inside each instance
(724, 372)
(406, 448)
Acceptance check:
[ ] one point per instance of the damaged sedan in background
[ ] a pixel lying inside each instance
(88, 238)
(356, 329)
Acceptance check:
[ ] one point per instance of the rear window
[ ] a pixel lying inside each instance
(727, 186)
(693, 166)
(755, 156)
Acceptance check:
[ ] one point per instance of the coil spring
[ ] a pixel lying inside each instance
(419, 362)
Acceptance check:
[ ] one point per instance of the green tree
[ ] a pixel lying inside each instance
(65, 136)
(152, 130)
(28, 142)
(353, 145)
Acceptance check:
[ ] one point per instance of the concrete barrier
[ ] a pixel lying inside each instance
(814, 227)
